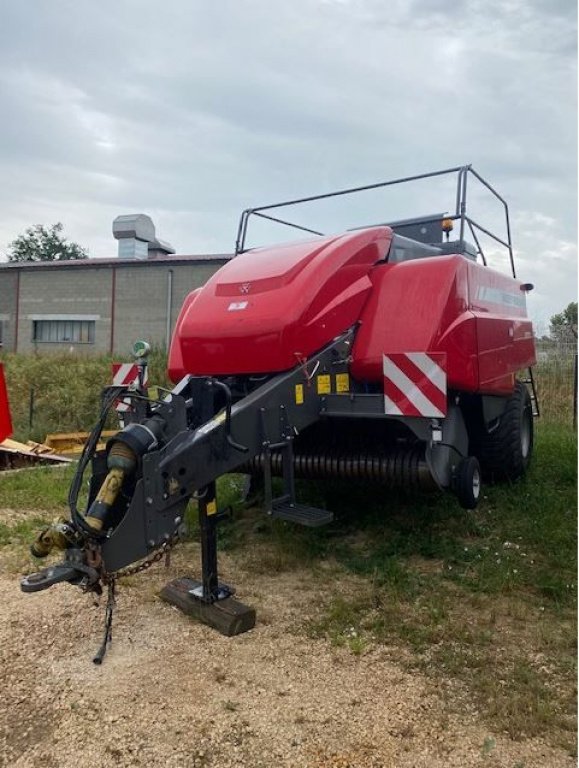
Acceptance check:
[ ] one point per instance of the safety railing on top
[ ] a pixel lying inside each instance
(460, 214)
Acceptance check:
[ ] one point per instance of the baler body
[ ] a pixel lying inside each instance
(267, 310)
(382, 355)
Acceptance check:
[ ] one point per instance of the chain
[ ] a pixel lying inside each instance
(110, 579)
(164, 549)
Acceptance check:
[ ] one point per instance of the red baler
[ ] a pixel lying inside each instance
(385, 354)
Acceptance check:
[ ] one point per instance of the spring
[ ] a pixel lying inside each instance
(399, 468)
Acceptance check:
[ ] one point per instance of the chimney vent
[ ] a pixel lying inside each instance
(136, 235)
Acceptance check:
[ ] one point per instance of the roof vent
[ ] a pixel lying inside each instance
(136, 235)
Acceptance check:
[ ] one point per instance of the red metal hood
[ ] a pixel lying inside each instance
(267, 308)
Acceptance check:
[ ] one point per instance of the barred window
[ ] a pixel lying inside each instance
(74, 331)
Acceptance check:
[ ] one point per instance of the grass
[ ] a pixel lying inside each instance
(66, 389)
(44, 488)
(61, 392)
(554, 380)
(486, 598)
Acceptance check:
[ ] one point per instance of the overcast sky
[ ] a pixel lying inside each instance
(192, 110)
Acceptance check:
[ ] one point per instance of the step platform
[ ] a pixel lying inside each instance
(228, 616)
(312, 517)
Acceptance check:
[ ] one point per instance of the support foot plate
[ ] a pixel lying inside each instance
(228, 616)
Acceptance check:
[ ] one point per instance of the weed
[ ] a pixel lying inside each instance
(488, 745)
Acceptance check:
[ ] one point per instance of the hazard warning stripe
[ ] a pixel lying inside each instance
(426, 375)
(396, 403)
(126, 374)
(415, 384)
(432, 369)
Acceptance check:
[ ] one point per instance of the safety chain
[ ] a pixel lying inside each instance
(110, 579)
(164, 549)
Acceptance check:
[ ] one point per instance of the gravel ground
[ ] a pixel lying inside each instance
(175, 693)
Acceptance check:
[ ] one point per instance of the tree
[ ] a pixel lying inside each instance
(40, 243)
(563, 326)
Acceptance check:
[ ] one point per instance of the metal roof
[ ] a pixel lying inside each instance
(91, 263)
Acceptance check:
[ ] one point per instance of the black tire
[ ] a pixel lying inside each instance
(467, 482)
(505, 452)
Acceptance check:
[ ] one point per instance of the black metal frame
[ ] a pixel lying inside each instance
(200, 451)
(460, 213)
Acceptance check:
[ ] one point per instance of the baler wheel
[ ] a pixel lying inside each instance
(505, 453)
(467, 482)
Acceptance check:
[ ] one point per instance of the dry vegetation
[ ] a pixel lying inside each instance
(408, 633)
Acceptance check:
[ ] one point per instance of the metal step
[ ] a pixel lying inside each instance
(302, 514)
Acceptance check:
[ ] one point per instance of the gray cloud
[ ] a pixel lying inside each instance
(191, 111)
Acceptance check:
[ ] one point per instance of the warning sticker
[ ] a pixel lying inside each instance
(342, 382)
(324, 384)
(212, 507)
(219, 419)
(299, 394)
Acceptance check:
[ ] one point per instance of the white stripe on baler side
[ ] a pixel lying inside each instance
(429, 368)
(390, 407)
(121, 373)
(410, 390)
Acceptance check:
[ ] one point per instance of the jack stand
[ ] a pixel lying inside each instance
(208, 600)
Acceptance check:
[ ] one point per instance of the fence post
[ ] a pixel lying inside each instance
(575, 392)
(31, 408)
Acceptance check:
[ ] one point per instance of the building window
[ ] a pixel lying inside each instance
(71, 331)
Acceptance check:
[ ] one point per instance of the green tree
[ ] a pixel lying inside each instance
(563, 326)
(40, 243)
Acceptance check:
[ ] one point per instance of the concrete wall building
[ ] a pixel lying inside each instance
(98, 305)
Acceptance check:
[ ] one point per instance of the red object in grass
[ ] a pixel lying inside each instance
(5, 418)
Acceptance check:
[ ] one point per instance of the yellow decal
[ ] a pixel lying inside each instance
(153, 393)
(342, 382)
(299, 394)
(219, 419)
(324, 384)
(212, 507)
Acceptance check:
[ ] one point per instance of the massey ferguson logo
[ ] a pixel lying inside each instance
(244, 287)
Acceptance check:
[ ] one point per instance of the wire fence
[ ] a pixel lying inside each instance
(556, 381)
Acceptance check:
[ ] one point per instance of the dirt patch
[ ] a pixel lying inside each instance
(175, 693)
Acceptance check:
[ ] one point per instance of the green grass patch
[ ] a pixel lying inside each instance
(38, 488)
(21, 532)
(487, 597)
(61, 392)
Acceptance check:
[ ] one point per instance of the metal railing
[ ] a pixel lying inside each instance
(460, 214)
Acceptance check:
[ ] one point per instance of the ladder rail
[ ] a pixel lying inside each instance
(530, 383)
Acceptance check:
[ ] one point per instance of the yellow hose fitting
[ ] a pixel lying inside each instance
(106, 497)
(49, 538)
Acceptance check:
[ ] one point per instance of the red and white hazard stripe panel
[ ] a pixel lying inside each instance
(415, 384)
(125, 374)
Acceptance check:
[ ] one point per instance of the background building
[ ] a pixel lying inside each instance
(100, 305)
